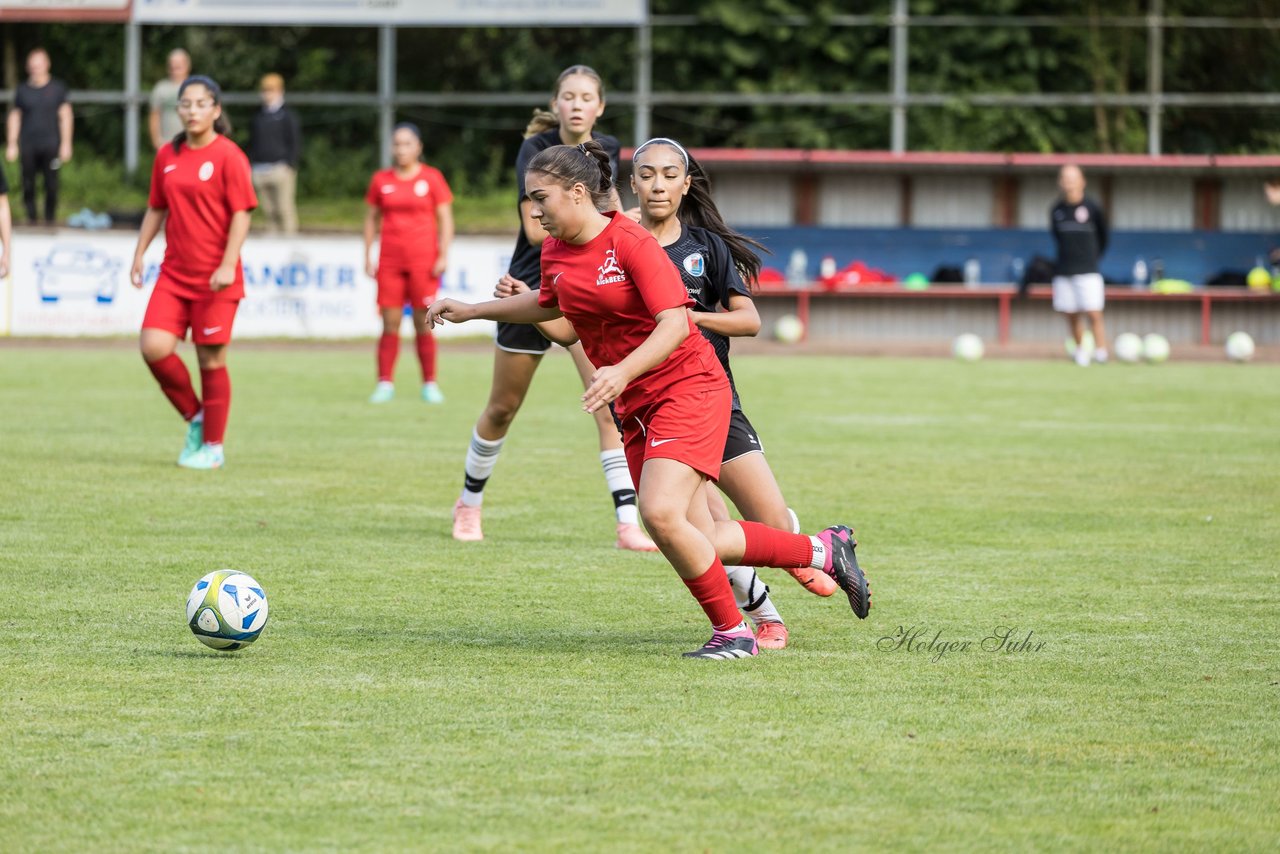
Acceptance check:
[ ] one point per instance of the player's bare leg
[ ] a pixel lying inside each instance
(512, 376)
(614, 462)
(1099, 336)
(674, 505)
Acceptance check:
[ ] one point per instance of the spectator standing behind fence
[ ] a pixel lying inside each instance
(164, 123)
(1080, 230)
(275, 145)
(40, 128)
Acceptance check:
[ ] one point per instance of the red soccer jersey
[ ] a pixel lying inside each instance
(611, 289)
(201, 188)
(408, 206)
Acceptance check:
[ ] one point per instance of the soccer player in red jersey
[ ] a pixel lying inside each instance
(202, 195)
(414, 206)
(615, 284)
(578, 102)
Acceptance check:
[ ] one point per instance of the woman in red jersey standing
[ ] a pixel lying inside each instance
(202, 195)
(414, 206)
(626, 302)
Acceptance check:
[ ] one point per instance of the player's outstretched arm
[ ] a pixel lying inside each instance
(520, 308)
(151, 222)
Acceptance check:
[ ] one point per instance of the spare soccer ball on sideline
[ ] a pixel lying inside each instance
(788, 329)
(1128, 347)
(967, 347)
(1155, 348)
(1239, 347)
(227, 609)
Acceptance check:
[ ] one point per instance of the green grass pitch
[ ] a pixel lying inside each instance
(527, 693)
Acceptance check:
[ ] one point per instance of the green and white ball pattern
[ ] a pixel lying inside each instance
(1128, 347)
(227, 609)
(967, 347)
(1155, 348)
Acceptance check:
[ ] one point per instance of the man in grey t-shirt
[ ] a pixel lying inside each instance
(164, 123)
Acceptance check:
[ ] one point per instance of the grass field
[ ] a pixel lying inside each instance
(527, 693)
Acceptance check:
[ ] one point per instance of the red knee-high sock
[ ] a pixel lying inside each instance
(714, 594)
(216, 385)
(175, 381)
(427, 356)
(771, 547)
(388, 349)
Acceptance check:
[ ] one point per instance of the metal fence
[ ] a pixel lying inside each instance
(899, 99)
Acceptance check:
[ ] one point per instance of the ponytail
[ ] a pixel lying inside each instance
(699, 209)
(586, 164)
(541, 122)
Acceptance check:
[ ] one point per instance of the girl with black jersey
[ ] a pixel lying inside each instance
(577, 103)
(677, 209)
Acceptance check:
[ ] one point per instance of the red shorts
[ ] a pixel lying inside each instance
(398, 287)
(175, 307)
(689, 426)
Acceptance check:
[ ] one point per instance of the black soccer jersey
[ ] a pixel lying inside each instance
(526, 259)
(710, 277)
(1081, 234)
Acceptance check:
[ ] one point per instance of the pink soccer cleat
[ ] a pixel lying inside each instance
(466, 523)
(630, 537)
(771, 635)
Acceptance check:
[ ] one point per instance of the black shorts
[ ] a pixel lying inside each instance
(522, 338)
(742, 438)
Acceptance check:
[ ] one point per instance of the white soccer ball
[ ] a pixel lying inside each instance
(967, 347)
(1128, 347)
(1240, 347)
(1155, 347)
(788, 329)
(227, 609)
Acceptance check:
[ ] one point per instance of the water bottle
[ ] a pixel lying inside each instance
(798, 268)
(827, 268)
(1017, 270)
(972, 273)
(1140, 273)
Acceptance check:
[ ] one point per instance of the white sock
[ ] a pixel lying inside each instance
(385, 384)
(198, 418)
(749, 590)
(482, 456)
(819, 560)
(214, 446)
(1100, 355)
(618, 479)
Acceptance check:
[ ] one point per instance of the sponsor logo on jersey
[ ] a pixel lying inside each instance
(610, 271)
(206, 170)
(695, 265)
(421, 187)
(170, 168)
(1082, 214)
(388, 188)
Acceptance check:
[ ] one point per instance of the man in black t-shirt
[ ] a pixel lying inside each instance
(1079, 229)
(40, 127)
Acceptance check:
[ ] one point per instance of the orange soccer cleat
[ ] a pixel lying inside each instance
(771, 635)
(466, 523)
(631, 538)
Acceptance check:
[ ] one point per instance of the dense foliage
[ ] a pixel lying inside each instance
(737, 46)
